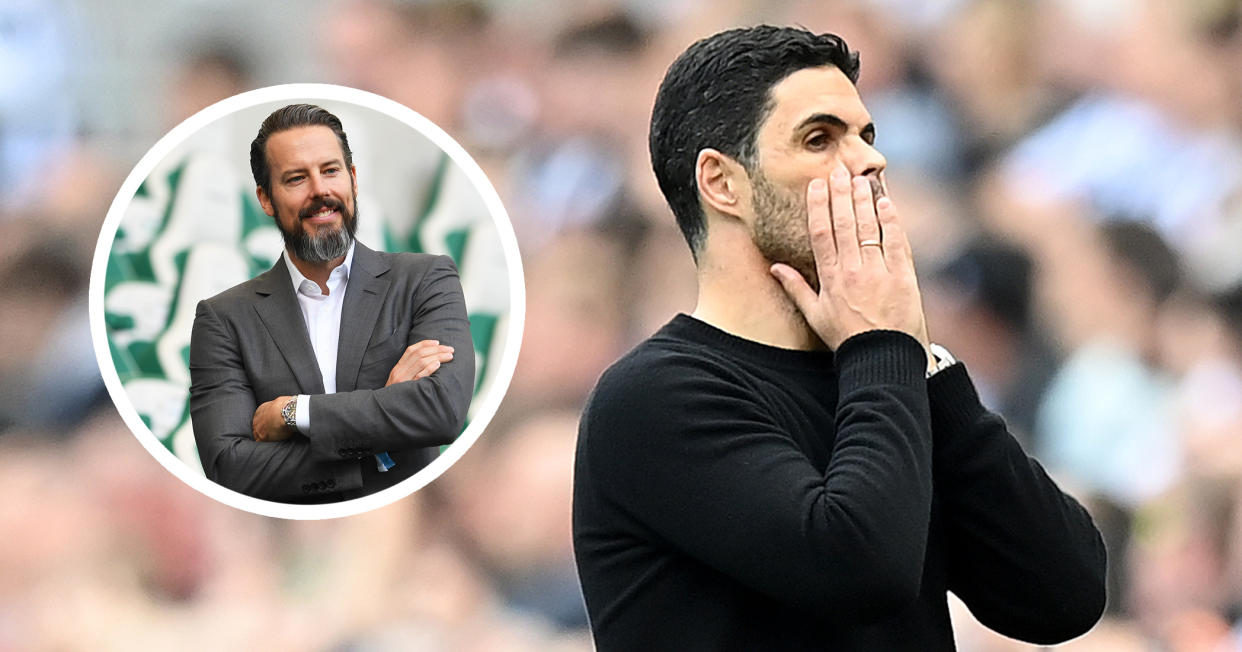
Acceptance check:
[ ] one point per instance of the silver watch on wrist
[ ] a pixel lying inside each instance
(944, 359)
(289, 412)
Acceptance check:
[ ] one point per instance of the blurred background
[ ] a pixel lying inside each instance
(1070, 172)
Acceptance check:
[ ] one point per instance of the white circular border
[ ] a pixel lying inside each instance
(484, 411)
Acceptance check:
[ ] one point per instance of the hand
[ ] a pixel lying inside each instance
(268, 424)
(861, 287)
(419, 361)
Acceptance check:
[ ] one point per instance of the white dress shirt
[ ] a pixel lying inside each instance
(322, 313)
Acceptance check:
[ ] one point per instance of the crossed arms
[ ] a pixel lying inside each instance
(234, 376)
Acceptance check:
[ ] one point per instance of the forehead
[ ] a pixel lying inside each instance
(809, 91)
(302, 146)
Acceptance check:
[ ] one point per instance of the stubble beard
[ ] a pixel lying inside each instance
(780, 232)
(325, 244)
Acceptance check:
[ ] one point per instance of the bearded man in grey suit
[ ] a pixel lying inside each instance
(341, 370)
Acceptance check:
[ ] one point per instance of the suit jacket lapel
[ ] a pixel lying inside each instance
(363, 299)
(281, 315)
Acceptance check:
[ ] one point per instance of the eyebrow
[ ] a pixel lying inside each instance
(833, 121)
(303, 168)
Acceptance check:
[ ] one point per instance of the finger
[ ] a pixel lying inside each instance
(415, 358)
(405, 367)
(420, 350)
(819, 224)
(868, 227)
(442, 356)
(410, 352)
(417, 347)
(879, 186)
(843, 226)
(429, 364)
(795, 286)
(427, 370)
(896, 246)
(438, 357)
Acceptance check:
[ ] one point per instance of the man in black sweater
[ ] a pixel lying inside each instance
(796, 466)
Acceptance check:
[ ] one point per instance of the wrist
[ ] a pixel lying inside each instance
(288, 411)
(939, 359)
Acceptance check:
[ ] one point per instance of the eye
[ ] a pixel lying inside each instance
(332, 170)
(818, 140)
(297, 178)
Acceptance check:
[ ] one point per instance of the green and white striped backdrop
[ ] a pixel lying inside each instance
(195, 228)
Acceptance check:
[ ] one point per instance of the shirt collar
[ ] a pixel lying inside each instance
(300, 282)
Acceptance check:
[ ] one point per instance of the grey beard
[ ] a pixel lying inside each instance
(326, 246)
(320, 248)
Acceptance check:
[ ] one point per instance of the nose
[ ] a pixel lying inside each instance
(862, 159)
(318, 186)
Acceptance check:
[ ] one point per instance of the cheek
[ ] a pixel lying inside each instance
(284, 198)
(823, 165)
(297, 200)
(287, 206)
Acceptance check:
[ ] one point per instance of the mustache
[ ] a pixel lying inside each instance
(320, 204)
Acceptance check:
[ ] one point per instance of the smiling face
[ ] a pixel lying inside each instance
(816, 122)
(313, 195)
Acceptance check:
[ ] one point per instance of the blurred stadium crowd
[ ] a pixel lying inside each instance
(1070, 171)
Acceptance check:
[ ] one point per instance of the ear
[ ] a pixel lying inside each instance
(265, 201)
(353, 178)
(721, 181)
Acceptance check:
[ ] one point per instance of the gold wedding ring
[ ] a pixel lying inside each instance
(870, 243)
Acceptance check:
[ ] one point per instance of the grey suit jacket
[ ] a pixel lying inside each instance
(250, 344)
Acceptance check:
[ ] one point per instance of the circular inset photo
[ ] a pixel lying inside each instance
(307, 301)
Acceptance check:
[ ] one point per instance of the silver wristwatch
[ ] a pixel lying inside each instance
(289, 412)
(944, 359)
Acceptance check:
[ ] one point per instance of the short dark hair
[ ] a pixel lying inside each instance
(289, 117)
(716, 94)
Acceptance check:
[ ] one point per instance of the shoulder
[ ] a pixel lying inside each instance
(244, 294)
(665, 381)
(666, 362)
(652, 367)
(416, 264)
(668, 399)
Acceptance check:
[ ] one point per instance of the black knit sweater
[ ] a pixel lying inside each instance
(734, 496)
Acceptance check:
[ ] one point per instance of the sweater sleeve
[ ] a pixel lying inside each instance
(1024, 556)
(687, 451)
